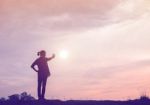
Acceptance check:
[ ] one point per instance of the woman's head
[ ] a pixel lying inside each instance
(42, 53)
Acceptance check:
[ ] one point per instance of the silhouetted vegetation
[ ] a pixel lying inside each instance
(27, 99)
(18, 97)
(2, 99)
(144, 98)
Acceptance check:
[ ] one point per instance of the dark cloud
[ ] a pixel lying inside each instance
(26, 16)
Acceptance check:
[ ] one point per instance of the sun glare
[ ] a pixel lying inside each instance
(64, 54)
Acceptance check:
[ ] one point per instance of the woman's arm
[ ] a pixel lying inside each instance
(33, 66)
(50, 58)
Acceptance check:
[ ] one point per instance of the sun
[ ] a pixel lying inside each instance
(64, 54)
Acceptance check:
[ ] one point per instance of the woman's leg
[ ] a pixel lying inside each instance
(44, 87)
(39, 87)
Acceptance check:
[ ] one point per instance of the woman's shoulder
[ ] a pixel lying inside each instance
(37, 59)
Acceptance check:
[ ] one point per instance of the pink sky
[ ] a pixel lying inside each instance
(107, 40)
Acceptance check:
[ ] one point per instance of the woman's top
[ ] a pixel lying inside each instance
(43, 69)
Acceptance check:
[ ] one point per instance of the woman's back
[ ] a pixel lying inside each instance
(42, 64)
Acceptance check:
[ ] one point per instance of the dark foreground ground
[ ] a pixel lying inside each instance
(77, 102)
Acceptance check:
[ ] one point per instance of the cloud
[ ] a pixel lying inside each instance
(130, 9)
(63, 6)
(31, 16)
(108, 81)
(105, 35)
(105, 72)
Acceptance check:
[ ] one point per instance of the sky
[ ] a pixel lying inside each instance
(107, 43)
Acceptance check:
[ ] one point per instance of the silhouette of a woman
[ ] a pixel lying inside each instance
(43, 72)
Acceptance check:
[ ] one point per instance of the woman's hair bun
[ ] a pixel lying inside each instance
(38, 53)
(41, 52)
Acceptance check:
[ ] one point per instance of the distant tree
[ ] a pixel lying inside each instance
(21, 97)
(2, 99)
(144, 98)
(25, 97)
(14, 97)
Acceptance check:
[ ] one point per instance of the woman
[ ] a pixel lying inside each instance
(43, 72)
